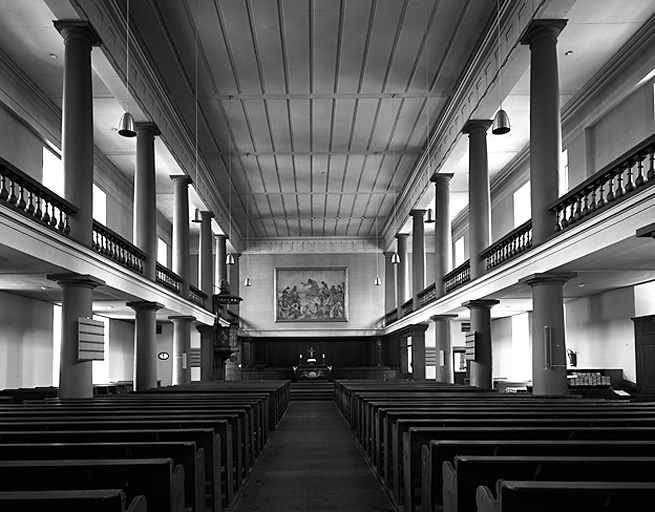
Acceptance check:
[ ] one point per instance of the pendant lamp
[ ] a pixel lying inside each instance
(126, 123)
(500, 124)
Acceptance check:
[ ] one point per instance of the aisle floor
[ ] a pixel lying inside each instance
(312, 463)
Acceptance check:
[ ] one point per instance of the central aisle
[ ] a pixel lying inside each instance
(312, 463)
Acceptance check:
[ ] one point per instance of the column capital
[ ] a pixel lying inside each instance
(182, 318)
(76, 279)
(147, 127)
(220, 236)
(72, 28)
(207, 214)
(142, 305)
(481, 303)
(437, 318)
(181, 178)
(417, 213)
(476, 125)
(440, 177)
(401, 235)
(548, 278)
(542, 29)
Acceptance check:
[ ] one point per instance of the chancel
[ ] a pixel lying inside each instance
(318, 263)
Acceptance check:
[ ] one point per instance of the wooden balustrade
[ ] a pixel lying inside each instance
(391, 317)
(458, 277)
(116, 248)
(616, 181)
(512, 244)
(407, 307)
(198, 297)
(169, 279)
(427, 295)
(26, 195)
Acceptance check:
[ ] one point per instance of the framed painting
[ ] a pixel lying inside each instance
(311, 294)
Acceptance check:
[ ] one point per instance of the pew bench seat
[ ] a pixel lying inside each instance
(158, 480)
(468, 472)
(95, 500)
(519, 496)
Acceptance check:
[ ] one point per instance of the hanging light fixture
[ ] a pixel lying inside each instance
(229, 259)
(500, 124)
(377, 281)
(428, 218)
(126, 123)
(395, 257)
(247, 281)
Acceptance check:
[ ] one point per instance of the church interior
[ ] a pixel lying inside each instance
(390, 255)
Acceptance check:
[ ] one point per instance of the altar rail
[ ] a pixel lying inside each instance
(26, 195)
(614, 183)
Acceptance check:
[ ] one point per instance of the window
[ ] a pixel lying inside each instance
(459, 252)
(53, 172)
(522, 205)
(99, 205)
(162, 252)
(563, 173)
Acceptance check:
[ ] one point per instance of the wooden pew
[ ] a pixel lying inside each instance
(437, 453)
(468, 472)
(184, 454)
(96, 500)
(220, 426)
(158, 480)
(519, 496)
(418, 436)
(205, 439)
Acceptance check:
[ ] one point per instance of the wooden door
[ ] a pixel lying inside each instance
(645, 354)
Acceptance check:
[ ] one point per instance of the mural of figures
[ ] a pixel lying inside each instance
(311, 295)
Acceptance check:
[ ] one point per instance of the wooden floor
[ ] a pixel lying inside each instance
(312, 464)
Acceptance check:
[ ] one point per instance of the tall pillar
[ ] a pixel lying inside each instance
(145, 344)
(418, 256)
(481, 366)
(75, 376)
(77, 124)
(545, 123)
(443, 235)
(221, 254)
(444, 349)
(548, 333)
(144, 214)
(389, 283)
(401, 273)
(181, 348)
(479, 200)
(205, 264)
(181, 256)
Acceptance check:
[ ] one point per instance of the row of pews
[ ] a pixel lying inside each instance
(186, 448)
(438, 447)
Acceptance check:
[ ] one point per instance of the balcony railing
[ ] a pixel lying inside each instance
(391, 317)
(407, 307)
(427, 295)
(198, 297)
(458, 277)
(622, 178)
(169, 279)
(116, 248)
(29, 197)
(511, 245)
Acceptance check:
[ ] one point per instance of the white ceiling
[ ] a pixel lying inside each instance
(311, 114)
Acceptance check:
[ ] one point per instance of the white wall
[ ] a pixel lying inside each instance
(600, 331)
(121, 350)
(25, 342)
